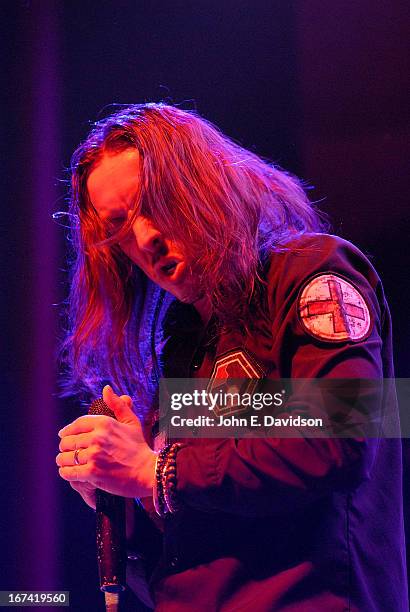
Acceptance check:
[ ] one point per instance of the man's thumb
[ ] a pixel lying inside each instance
(120, 405)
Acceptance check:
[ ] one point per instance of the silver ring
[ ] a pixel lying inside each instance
(76, 462)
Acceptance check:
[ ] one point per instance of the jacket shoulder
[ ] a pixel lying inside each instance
(306, 264)
(310, 254)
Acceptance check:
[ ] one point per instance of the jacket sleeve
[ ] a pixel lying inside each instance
(266, 476)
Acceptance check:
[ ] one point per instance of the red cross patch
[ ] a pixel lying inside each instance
(234, 368)
(331, 308)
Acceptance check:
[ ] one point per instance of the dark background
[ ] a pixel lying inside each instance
(320, 87)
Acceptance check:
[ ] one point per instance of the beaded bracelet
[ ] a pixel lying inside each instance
(169, 478)
(157, 493)
(164, 491)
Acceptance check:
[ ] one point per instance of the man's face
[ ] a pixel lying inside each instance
(112, 187)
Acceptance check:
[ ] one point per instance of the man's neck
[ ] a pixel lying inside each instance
(204, 308)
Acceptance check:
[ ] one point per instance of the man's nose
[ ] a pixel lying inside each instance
(148, 237)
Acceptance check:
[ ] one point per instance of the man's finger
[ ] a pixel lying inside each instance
(83, 424)
(83, 488)
(120, 405)
(76, 473)
(75, 441)
(68, 458)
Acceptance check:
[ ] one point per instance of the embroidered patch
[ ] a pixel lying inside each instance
(331, 308)
(234, 373)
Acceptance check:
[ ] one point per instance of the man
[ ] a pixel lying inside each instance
(192, 254)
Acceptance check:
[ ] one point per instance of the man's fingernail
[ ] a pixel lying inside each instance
(108, 388)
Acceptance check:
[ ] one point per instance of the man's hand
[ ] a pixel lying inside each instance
(87, 492)
(112, 455)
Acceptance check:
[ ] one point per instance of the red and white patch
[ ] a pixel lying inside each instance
(331, 308)
(234, 372)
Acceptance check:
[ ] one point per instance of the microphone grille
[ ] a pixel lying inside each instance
(100, 407)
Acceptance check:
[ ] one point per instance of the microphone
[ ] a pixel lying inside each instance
(111, 543)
